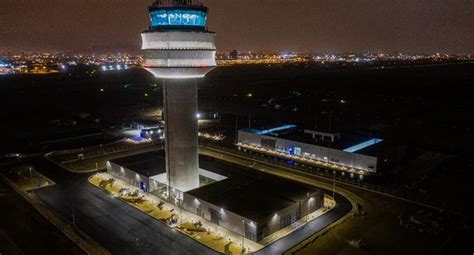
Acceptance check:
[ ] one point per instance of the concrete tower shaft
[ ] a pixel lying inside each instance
(181, 133)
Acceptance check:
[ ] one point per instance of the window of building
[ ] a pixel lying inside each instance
(178, 18)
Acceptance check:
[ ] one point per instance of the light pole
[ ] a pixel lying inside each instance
(73, 186)
(236, 128)
(180, 214)
(243, 233)
(73, 215)
(334, 186)
(136, 243)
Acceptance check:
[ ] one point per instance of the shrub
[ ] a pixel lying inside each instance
(192, 227)
(133, 200)
(227, 248)
(160, 205)
(198, 224)
(134, 193)
(103, 184)
(123, 190)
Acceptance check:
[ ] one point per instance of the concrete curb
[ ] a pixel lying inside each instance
(302, 245)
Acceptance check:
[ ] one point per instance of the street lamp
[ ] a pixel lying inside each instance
(243, 233)
(136, 243)
(73, 215)
(73, 186)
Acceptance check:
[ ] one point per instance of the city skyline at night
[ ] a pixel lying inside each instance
(423, 26)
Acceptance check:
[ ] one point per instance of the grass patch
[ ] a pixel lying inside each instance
(193, 227)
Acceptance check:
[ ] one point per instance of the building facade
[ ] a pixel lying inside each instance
(320, 153)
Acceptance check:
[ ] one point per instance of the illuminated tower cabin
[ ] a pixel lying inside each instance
(178, 49)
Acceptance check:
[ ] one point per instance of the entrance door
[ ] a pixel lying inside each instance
(215, 216)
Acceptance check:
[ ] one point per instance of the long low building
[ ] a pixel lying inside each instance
(241, 200)
(343, 152)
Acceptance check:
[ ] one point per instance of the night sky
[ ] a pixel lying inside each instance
(411, 26)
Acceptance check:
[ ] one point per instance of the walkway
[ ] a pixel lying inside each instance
(186, 216)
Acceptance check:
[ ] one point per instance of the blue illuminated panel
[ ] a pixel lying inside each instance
(290, 150)
(271, 130)
(363, 145)
(178, 18)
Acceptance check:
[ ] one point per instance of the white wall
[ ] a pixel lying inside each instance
(126, 175)
(358, 161)
(228, 220)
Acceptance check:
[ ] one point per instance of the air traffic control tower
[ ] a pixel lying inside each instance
(178, 49)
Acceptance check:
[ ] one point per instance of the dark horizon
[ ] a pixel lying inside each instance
(422, 27)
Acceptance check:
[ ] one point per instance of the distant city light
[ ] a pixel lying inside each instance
(216, 137)
(114, 67)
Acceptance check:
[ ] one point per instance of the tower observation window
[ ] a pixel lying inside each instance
(178, 18)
